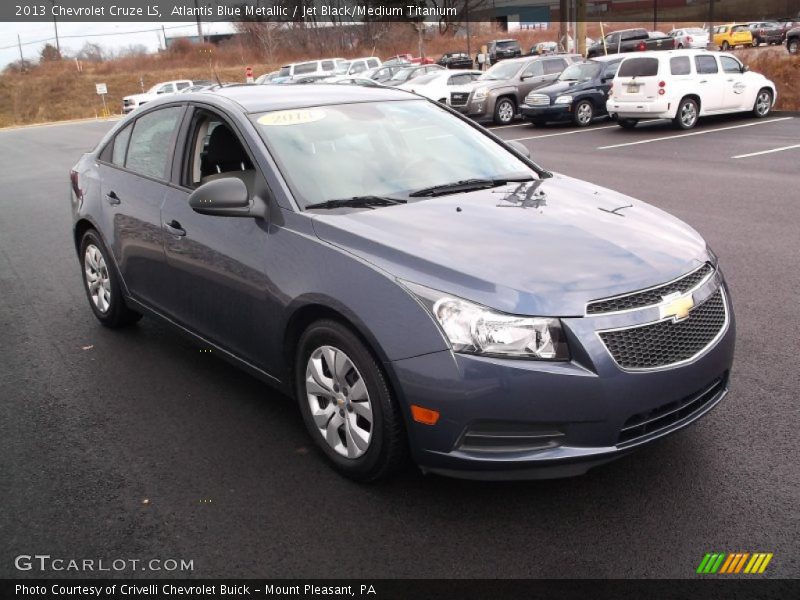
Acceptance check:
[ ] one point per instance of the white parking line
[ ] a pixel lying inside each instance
(781, 149)
(547, 135)
(507, 126)
(683, 135)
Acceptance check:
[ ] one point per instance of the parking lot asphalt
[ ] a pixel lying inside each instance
(133, 444)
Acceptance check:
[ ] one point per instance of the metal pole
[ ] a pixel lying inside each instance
(655, 14)
(469, 48)
(199, 27)
(21, 60)
(55, 26)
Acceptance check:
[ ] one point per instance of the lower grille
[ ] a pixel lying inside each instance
(458, 99)
(668, 342)
(662, 418)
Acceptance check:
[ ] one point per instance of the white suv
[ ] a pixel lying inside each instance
(683, 85)
(134, 101)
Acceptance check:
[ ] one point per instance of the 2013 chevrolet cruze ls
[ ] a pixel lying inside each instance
(416, 283)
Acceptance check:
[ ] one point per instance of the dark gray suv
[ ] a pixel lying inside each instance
(415, 283)
(498, 93)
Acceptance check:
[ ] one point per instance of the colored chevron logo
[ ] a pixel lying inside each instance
(734, 563)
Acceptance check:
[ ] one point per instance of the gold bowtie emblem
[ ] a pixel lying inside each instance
(677, 306)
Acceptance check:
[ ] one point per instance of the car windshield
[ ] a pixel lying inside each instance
(696, 31)
(507, 44)
(403, 74)
(580, 72)
(501, 71)
(379, 149)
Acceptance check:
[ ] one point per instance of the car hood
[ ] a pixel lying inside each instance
(544, 254)
(562, 86)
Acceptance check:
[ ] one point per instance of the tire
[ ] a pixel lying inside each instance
(627, 123)
(725, 46)
(687, 114)
(793, 46)
(102, 284)
(504, 111)
(763, 103)
(756, 42)
(583, 113)
(359, 449)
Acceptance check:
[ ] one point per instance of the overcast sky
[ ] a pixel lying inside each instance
(72, 36)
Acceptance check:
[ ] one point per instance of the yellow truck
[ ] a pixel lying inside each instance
(732, 35)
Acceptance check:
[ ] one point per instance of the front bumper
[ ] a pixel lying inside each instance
(555, 419)
(477, 109)
(554, 112)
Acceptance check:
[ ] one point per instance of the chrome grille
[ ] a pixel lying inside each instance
(650, 296)
(668, 342)
(537, 100)
(459, 98)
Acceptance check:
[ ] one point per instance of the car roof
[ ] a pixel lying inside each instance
(263, 98)
(604, 58)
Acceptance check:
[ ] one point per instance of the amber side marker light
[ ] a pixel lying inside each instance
(426, 416)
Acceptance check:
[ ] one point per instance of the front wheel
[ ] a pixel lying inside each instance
(725, 46)
(102, 284)
(763, 104)
(686, 117)
(346, 403)
(583, 113)
(627, 123)
(504, 111)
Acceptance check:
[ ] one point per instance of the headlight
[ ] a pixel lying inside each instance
(564, 100)
(475, 329)
(480, 94)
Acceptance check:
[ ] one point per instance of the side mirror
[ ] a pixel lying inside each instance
(745, 68)
(226, 197)
(520, 147)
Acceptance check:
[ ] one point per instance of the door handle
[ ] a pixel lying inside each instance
(703, 81)
(174, 228)
(112, 197)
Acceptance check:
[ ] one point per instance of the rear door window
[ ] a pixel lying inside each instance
(152, 142)
(120, 146)
(372, 62)
(328, 65)
(705, 65)
(639, 67)
(304, 68)
(554, 66)
(183, 85)
(680, 65)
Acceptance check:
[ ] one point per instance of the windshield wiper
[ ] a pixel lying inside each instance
(466, 185)
(358, 201)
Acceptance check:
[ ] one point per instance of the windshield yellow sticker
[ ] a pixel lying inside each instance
(292, 117)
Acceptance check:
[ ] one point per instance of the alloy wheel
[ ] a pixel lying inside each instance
(505, 111)
(584, 113)
(339, 401)
(688, 114)
(97, 279)
(763, 102)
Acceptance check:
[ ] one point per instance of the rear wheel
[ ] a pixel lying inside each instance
(793, 46)
(504, 111)
(763, 103)
(102, 284)
(686, 117)
(346, 403)
(583, 113)
(627, 123)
